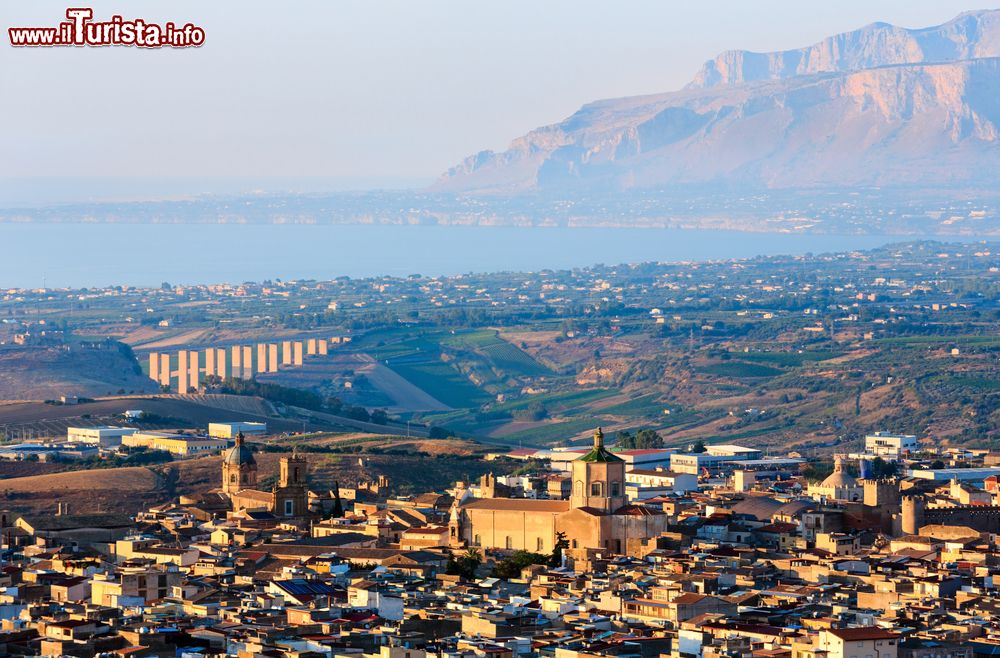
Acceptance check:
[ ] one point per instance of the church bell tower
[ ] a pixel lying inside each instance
(599, 478)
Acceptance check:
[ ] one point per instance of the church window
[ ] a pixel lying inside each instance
(540, 544)
(596, 489)
(509, 543)
(289, 507)
(232, 478)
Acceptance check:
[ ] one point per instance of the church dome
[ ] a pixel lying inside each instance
(239, 454)
(840, 478)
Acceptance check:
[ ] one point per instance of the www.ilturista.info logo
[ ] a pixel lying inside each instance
(82, 30)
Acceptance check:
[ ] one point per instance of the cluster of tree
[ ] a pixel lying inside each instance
(535, 411)
(877, 468)
(465, 565)
(641, 440)
(274, 392)
(299, 398)
(138, 457)
(440, 433)
(511, 566)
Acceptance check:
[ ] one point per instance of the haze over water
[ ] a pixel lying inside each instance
(92, 255)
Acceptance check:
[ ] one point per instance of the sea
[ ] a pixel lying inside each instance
(96, 255)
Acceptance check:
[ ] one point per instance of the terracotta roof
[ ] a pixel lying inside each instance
(865, 633)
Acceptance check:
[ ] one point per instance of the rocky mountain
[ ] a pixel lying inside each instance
(882, 105)
(969, 36)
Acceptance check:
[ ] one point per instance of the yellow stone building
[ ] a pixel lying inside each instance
(289, 499)
(597, 515)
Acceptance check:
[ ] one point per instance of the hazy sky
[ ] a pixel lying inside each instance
(366, 88)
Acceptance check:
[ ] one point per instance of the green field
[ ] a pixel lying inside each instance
(644, 405)
(550, 433)
(441, 381)
(502, 355)
(786, 359)
(513, 360)
(978, 383)
(979, 341)
(739, 369)
(559, 401)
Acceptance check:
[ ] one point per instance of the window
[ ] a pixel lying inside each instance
(574, 543)
(476, 540)
(232, 478)
(540, 544)
(595, 489)
(289, 507)
(615, 489)
(508, 543)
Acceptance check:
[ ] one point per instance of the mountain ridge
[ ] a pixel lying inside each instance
(891, 122)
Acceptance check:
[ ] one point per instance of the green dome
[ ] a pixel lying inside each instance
(599, 453)
(239, 454)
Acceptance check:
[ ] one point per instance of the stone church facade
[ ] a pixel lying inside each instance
(597, 515)
(288, 499)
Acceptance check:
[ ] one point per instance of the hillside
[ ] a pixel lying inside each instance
(412, 465)
(47, 372)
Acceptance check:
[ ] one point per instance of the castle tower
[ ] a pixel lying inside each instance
(239, 468)
(911, 519)
(599, 478)
(291, 495)
(883, 493)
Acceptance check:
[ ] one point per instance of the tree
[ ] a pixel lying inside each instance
(555, 560)
(641, 440)
(698, 447)
(511, 567)
(338, 507)
(439, 433)
(465, 565)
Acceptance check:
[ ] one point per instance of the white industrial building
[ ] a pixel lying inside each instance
(105, 436)
(230, 430)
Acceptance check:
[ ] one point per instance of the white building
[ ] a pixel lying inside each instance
(641, 484)
(715, 459)
(230, 430)
(182, 445)
(105, 436)
(890, 446)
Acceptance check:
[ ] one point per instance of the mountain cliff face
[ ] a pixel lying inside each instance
(970, 36)
(878, 106)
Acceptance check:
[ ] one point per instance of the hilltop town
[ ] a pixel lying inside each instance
(784, 456)
(712, 551)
